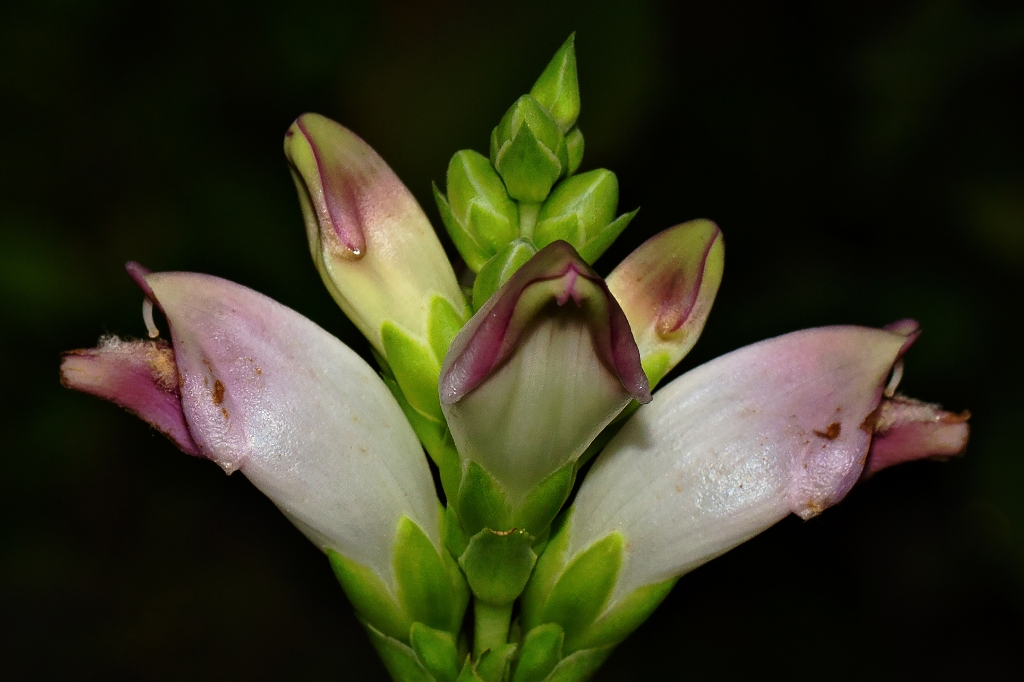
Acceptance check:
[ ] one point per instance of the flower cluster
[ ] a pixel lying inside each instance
(511, 384)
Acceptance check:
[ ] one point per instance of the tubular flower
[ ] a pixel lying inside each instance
(555, 366)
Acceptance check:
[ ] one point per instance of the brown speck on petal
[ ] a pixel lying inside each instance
(218, 393)
(831, 432)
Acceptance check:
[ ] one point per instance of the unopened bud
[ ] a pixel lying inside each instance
(581, 211)
(557, 89)
(478, 213)
(528, 150)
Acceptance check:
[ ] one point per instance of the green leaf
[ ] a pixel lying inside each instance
(443, 324)
(549, 566)
(598, 244)
(558, 88)
(435, 437)
(625, 616)
(494, 664)
(574, 148)
(436, 650)
(540, 653)
(425, 587)
(582, 590)
(451, 532)
(497, 565)
(580, 665)
(471, 251)
(528, 151)
(399, 659)
(371, 598)
(499, 269)
(468, 673)
(415, 368)
(479, 201)
(482, 501)
(540, 505)
(591, 198)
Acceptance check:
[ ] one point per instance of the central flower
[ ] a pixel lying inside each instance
(539, 371)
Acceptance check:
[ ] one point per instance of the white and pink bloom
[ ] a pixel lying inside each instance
(787, 425)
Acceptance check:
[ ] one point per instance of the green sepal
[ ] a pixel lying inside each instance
(580, 665)
(540, 653)
(415, 367)
(558, 88)
(451, 532)
(540, 505)
(483, 502)
(581, 592)
(597, 245)
(436, 650)
(574, 148)
(467, 246)
(435, 437)
(371, 598)
(399, 658)
(499, 269)
(431, 589)
(479, 202)
(497, 565)
(656, 366)
(578, 209)
(528, 151)
(625, 616)
(443, 323)
(494, 663)
(468, 672)
(550, 563)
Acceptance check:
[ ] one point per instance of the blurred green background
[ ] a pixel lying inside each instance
(864, 159)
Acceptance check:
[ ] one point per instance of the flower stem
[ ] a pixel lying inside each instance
(491, 628)
(527, 219)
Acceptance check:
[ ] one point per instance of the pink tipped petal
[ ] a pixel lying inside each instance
(555, 272)
(733, 446)
(666, 288)
(268, 392)
(535, 375)
(906, 429)
(139, 376)
(373, 245)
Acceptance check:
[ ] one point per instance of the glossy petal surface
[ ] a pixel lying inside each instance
(733, 446)
(268, 392)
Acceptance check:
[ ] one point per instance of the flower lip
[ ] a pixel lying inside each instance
(493, 333)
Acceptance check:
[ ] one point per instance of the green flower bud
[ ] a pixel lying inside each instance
(528, 150)
(479, 215)
(557, 89)
(574, 147)
(580, 211)
(499, 269)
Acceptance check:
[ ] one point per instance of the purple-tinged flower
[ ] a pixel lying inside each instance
(539, 370)
(258, 388)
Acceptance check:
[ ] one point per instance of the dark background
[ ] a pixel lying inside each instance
(864, 159)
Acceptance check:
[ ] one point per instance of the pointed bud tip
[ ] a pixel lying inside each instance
(333, 170)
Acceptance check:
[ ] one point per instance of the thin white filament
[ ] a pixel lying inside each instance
(147, 315)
